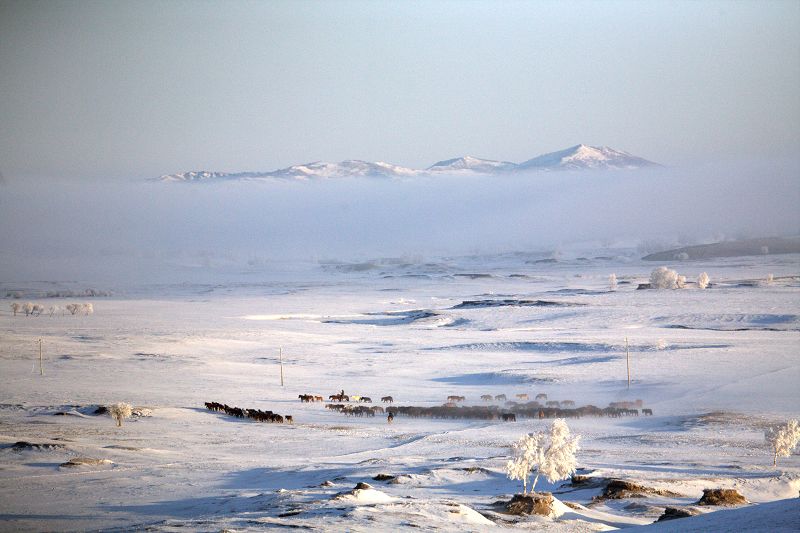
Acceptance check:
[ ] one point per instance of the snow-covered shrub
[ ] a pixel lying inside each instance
(680, 282)
(549, 454)
(702, 280)
(612, 282)
(120, 411)
(661, 344)
(770, 279)
(664, 278)
(782, 439)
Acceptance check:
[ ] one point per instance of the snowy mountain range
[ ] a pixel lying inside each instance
(580, 157)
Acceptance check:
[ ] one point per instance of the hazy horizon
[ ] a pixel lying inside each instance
(139, 230)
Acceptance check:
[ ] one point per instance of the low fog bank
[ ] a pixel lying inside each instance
(52, 230)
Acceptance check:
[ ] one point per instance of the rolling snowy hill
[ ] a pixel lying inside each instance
(580, 157)
(472, 165)
(586, 157)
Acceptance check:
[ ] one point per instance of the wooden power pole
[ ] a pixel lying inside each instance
(628, 359)
(280, 355)
(41, 366)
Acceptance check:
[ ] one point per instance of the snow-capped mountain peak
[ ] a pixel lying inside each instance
(193, 175)
(343, 169)
(582, 156)
(471, 164)
(579, 157)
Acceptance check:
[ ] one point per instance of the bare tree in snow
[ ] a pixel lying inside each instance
(550, 454)
(782, 439)
(702, 280)
(119, 412)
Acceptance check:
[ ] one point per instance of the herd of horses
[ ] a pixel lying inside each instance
(540, 408)
(509, 413)
(255, 414)
(342, 397)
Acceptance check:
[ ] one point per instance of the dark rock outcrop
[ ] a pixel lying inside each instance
(671, 513)
(722, 497)
(540, 503)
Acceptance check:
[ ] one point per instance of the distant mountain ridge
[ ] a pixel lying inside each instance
(575, 158)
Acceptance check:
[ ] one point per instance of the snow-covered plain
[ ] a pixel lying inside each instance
(716, 366)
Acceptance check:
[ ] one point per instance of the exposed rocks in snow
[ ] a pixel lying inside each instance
(587, 482)
(540, 503)
(24, 445)
(722, 497)
(618, 489)
(363, 493)
(671, 513)
(478, 304)
(383, 477)
(85, 461)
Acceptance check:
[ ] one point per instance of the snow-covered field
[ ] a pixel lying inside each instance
(716, 366)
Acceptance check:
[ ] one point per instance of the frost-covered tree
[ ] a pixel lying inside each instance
(73, 308)
(119, 412)
(528, 453)
(680, 282)
(702, 280)
(53, 309)
(27, 308)
(37, 310)
(782, 439)
(550, 454)
(612, 281)
(87, 309)
(16, 307)
(664, 278)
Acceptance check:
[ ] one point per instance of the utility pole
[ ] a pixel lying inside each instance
(628, 359)
(41, 367)
(280, 354)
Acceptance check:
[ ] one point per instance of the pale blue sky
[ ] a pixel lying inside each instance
(124, 90)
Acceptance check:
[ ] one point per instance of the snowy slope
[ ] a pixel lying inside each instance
(582, 157)
(471, 165)
(316, 170)
(343, 169)
(400, 329)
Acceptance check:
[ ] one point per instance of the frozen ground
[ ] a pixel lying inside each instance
(716, 366)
